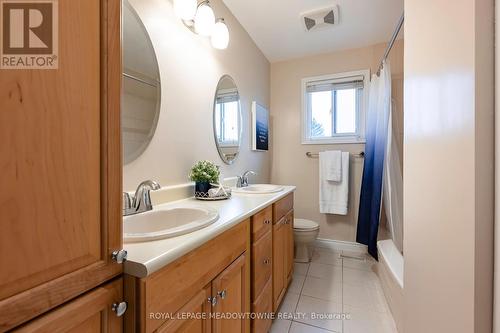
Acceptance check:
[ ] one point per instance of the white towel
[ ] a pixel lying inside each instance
(333, 196)
(332, 164)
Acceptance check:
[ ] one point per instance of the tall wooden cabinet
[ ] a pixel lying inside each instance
(60, 162)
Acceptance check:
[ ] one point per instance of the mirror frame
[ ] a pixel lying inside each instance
(240, 119)
(145, 145)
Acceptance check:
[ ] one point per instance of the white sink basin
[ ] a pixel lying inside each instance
(166, 223)
(259, 189)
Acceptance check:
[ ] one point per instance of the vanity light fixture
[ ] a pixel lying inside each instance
(203, 22)
(204, 19)
(220, 35)
(185, 9)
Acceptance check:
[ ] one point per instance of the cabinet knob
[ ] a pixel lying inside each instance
(212, 300)
(267, 261)
(222, 294)
(267, 221)
(119, 308)
(119, 256)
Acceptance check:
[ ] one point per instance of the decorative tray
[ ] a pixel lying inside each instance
(204, 196)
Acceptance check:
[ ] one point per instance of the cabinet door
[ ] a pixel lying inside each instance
(90, 313)
(230, 289)
(262, 252)
(278, 263)
(60, 162)
(194, 317)
(288, 231)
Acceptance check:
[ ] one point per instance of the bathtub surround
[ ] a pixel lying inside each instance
(286, 144)
(190, 69)
(448, 168)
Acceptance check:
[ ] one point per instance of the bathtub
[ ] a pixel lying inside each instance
(390, 270)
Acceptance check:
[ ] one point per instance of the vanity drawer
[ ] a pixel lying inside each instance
(282, 207)
(263, 307)
(168, 289)
(262, 223)
(262, 253)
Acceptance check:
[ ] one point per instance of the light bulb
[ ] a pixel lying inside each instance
(185, 9)
(204, 19)
(220, 35)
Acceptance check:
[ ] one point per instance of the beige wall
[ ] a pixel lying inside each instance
(190, 70)
(448, 194)
(289, 162)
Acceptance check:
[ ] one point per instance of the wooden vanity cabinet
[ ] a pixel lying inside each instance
(215, 274)
(262, 268)
(60, 139)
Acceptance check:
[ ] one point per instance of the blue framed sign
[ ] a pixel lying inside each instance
(260, 127)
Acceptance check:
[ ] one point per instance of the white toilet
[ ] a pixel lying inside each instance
(304, 234)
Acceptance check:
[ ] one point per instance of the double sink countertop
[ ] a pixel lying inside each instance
(145, 258)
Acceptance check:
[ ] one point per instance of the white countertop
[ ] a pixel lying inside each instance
(146, 258)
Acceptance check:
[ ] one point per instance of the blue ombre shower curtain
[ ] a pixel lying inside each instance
(379, 108)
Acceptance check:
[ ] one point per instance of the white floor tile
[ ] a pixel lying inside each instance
(363, 321)
(366, 264)
(351, 275)
(301, 328)
(325, 256)
(296, 284)
(324, 271)
(289, 303)
(280, 326)
(300, 268)
(365, 296)
(326, 289)
(320, 313)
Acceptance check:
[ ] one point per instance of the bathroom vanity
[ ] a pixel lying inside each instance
(242, 263)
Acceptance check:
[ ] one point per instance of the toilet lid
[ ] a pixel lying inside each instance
(304, 224)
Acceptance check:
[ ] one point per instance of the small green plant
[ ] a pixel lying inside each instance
(205, 171)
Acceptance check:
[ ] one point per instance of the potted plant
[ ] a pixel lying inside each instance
(203, 173)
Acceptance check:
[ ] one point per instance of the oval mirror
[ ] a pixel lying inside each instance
(141, 86)
(227, 119)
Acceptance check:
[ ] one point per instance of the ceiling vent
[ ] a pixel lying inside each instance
(322, 18)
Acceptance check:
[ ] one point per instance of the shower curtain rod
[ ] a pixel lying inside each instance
(391, 43)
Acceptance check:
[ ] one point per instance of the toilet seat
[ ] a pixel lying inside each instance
(304, 225)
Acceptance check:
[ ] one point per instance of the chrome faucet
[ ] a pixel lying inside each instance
(243, 179)
(141, 201)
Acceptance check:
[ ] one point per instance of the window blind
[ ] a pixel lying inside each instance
(353, 82)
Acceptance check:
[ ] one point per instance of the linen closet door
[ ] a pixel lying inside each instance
(60, 165)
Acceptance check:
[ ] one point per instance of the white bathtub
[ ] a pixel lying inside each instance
(390, 270)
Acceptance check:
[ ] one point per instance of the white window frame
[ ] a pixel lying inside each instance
(359, 136)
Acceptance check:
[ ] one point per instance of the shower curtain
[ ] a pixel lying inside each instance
(378, 115)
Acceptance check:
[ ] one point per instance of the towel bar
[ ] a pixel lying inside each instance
(312, 155)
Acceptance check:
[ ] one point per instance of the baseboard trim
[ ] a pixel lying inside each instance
(338, 245)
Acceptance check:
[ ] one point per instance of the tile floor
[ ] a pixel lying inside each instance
(334, 294)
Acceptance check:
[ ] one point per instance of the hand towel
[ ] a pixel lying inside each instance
(333, 196)
(332, 164)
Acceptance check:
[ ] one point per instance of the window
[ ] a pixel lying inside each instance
(333, 108)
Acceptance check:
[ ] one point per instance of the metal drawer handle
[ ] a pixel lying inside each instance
(119, 308)
(222, 294)
(212, 300)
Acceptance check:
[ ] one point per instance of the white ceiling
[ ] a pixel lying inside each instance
(277, 29)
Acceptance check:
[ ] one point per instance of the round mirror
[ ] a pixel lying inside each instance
(227, 119)
(141, 86)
